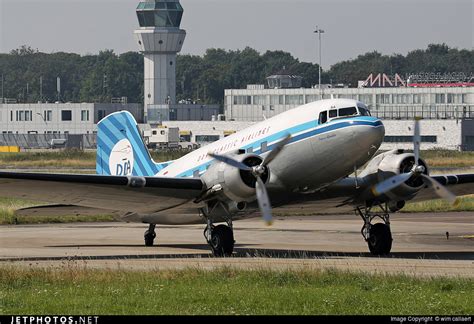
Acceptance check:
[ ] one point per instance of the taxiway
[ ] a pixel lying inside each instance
(420, 247)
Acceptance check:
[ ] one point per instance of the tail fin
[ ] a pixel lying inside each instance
(120, 148)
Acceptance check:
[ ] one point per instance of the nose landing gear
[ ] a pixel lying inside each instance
(220, 238)
(222, 241)
(378, 236)
(150, 235)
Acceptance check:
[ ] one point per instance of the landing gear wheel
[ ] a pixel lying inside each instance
(380, 239)
(222, 241)
(150, 235)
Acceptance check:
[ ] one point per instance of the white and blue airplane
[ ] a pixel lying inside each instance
(303, 157)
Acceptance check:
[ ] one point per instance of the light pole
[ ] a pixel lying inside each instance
(3, 100)
(39, 114)
(319, 31)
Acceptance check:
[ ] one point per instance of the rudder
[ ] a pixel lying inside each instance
(120, 148)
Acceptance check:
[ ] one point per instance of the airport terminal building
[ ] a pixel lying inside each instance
(256, 102)
(447, 111)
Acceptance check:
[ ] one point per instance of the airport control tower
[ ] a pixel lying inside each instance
(160, 39)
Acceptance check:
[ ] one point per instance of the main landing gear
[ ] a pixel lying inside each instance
(378, 236)
(220, 238)
(150, 235)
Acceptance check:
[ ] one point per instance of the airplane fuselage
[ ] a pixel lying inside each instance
(318, 154)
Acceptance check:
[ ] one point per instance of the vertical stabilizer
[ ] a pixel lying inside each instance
(120, 148)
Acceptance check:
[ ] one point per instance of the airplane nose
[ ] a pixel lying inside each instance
(371, 136)
(379, 133)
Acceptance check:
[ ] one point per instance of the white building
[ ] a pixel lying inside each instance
(436, 134)
(255, 102)
(448, 112)
(61, 118)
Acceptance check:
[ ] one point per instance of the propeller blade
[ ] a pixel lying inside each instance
(417, 140)
(391, 183)
(231, 162)
(264, 202)
(276, 150)
(441, 190)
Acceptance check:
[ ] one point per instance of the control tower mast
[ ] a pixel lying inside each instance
(160, 39)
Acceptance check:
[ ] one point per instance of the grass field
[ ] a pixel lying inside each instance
(466, 203)
(9, 205)
(448, 159)
(66, 159)
(79, 159)
(74, 290)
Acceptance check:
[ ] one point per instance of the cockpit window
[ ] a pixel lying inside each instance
(350, 111)
(341, 113)
(323, 117)
(364, 112)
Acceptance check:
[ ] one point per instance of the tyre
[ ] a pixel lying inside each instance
(380, 240)
(149, 238)
(222, 241)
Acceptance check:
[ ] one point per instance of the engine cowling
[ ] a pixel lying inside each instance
(237, 185)
(391, 163)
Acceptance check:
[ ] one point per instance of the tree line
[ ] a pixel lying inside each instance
(30, 76)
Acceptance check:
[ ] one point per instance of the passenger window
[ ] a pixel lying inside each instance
(347, 111)
(333, 113)
(323, 117)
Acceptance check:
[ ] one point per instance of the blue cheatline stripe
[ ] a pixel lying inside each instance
(114, 126)
(131, 124)
(278, 136)
(367, 121)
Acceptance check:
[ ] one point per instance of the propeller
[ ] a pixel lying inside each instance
(417, 171)
(257, 171)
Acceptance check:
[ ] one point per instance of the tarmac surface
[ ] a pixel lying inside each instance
(420, 247)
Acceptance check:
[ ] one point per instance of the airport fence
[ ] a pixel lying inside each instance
(49, 141)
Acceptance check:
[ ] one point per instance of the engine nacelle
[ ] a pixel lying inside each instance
(391, 163)
(237, 185)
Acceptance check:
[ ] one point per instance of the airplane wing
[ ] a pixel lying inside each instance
(345, 194)
(146, 195)
(119, 193)
(460, 185)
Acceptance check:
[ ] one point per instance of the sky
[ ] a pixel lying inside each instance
(351, 27)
